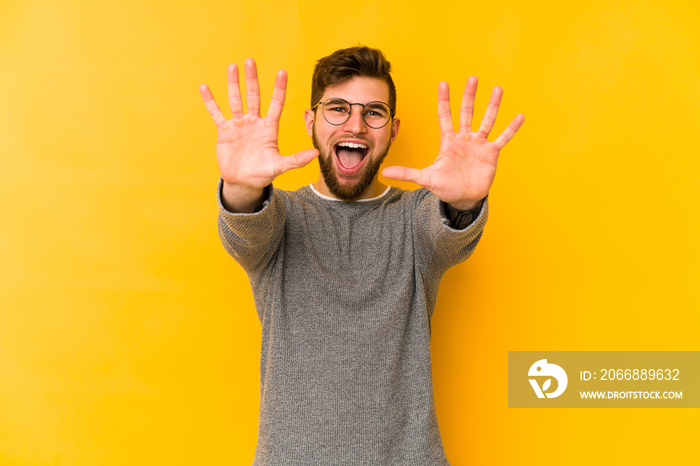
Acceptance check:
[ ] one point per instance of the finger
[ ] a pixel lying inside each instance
(510, 131)
(211, 105)
(444, 113)
(403, 174)
(234, 91)
(297, 160)
(278, 96)
(252, 87)
(466, 112)
(491, 112)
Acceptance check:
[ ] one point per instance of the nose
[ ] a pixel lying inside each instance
(356, 123)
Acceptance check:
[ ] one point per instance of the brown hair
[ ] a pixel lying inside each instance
(344, 64)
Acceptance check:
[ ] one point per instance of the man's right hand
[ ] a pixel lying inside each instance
(246, 145)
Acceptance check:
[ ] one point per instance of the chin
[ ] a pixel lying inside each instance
(348, 191)
(350, 188)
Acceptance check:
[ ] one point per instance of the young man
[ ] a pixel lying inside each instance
(345, 271)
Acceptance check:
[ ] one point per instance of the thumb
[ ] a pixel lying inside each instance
(297, 160)
(403, 174)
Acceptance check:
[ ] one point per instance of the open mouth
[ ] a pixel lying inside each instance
(350, 156)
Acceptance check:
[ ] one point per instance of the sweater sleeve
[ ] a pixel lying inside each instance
(439, 245)
(253, 239)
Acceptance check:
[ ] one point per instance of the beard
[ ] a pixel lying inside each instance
(346, 192)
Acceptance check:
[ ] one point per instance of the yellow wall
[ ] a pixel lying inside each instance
(128, 336)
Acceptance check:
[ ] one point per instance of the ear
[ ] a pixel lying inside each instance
(309, 117)
(395, 124)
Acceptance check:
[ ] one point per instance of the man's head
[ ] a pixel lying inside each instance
(351, 152)
(344, 64)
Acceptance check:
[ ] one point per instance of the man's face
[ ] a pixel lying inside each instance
(351, 153)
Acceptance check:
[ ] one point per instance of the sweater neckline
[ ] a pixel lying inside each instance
(328, 198)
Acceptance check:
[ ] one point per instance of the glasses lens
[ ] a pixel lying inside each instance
(336, 111)
(377, 114)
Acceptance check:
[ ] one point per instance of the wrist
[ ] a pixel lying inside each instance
(241, 199)
(467, 204)
(461, 218)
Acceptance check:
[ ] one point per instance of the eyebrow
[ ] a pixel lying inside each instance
(361, 103)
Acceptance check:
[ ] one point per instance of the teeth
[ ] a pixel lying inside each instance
(352, 145)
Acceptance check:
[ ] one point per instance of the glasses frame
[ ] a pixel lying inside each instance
(392, 112)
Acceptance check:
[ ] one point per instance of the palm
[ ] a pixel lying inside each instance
(247, 152)
(465, 167)
(246, 146)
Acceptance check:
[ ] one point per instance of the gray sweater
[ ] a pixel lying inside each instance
(345, 292)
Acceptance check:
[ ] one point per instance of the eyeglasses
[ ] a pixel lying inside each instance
(337, 111)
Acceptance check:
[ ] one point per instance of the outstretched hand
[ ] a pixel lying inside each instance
(465, 167)
(246, 147)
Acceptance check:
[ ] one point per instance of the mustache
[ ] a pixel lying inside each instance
(334, 141)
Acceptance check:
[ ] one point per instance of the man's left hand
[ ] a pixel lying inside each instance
(465, 167)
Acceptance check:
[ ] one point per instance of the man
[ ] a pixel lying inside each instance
(345, 271)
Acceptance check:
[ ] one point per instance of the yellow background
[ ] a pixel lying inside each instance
(128, 336)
